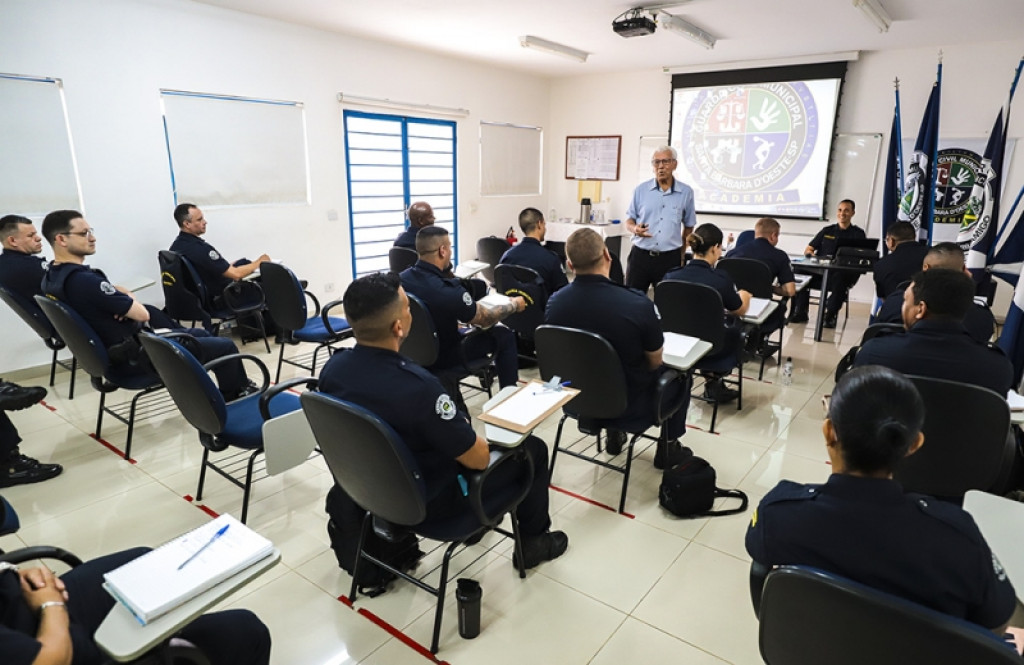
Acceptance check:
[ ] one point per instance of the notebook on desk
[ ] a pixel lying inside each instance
(528, 407)
(174, 573)
(757, 307)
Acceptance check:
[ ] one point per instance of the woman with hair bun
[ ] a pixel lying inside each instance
(861, 525)
(706, 242)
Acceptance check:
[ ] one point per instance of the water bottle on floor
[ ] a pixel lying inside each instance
(787, 372)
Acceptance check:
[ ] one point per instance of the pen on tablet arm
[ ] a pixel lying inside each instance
(545, 388)
(199, 551)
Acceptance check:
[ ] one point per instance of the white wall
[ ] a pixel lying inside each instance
(114, 56)
(976, 80)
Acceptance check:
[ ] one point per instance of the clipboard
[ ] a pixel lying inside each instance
(527, 407)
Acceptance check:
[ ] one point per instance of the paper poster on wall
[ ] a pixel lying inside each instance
(592, 157)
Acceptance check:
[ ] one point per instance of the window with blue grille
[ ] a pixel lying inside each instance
(394, 161)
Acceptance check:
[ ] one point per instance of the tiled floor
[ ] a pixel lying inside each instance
(649, 589)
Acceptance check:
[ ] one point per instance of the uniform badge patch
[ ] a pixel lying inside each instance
(445, 407)
(998, 568)
(466, 298)
(214, 255)
(107, 288)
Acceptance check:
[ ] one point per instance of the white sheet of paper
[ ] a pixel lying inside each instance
(757, 306)
(679, 345)
(470, 268)
(1015, 400)
(526, 405)
(495, 300)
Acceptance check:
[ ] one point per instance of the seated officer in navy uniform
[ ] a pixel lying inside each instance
(410, 399)
(21, 266)
(628, 320)
(450, 304)
(935, 343)
(862, 526)
(420, 215)
(840, 283)
(904, 259)
(531, 254)
(763, 248)
(49, 619)
(706, 241)
(215, 271)
(978, 321)
(113, 312)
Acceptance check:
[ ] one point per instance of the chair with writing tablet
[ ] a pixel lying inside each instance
(512, 280)
(238, 424)
(365, 455)
(490, 250)
(400, 258)
(32, 315)
(755, 277)
(589, 363)
(811, 617)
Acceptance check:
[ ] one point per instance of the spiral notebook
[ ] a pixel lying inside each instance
(183, 568)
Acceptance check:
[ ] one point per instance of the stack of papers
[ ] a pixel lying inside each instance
(756, 308)
(174, 573)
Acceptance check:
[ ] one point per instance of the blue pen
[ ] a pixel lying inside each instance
(547, 387)
(199, 551)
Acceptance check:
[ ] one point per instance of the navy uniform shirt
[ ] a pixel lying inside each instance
(898, 266)
(448, 303)
(824, 243)
(623, 316)
(89, 292)
(870, 531)
(22, 274)
(765, 252)
(531, 254)
(698, 271)
(18, 623)
(940, 350)
(205, 258)
(411, 400)
(407, 238)
(979, 322)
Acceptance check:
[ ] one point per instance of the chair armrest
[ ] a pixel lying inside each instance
(235, 296)
(278, 388)
(316, 302)
(242, 356)
(758, 574)
(474, 331)
(477, 481)
(325, 317)
(186, 340)
(664, 411)
(41, 552)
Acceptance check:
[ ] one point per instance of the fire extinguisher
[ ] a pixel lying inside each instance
(510, 237)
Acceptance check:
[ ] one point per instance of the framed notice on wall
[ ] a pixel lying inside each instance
(592, 157)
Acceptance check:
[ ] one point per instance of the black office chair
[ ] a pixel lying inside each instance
(220, 424)
(810, 617)
(421, 346)
(40, 325)
(365, 455)
(756, 278)
(880, 330)
(615, 273)
(590, 363)
(400, 258)
(286, 302)
(513, 280)
(91, 355)
(160, 655)
(960, 453)
(186, 298)
(696, 310)
(490, 250)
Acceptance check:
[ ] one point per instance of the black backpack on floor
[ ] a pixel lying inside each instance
(343, 528)
(688, 490)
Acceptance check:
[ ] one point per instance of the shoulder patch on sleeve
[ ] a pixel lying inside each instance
(445, 407)
(214, 255)
(107, 288)
(466, 298)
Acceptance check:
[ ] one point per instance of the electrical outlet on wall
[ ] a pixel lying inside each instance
(329, 287)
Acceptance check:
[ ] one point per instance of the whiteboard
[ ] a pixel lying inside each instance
(38, 172)
(226, 151)
(853, 170)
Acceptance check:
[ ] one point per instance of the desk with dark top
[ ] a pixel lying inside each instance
(822, 267)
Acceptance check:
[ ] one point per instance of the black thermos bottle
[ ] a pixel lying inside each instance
(467, 595)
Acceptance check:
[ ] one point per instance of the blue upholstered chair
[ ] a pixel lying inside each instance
(237, 424)
(30, 313)
(286, 301)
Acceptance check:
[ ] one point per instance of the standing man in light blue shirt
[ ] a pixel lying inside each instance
(660, 216)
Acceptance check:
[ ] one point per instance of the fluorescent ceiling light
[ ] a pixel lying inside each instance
(669, 22)
(554, 48)
(875, 13)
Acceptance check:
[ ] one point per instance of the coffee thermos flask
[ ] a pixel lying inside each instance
(467, 595)
(584, 211)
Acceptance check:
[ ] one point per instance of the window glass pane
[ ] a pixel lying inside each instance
(374, 142)
(377, 203)
(430, 145)
(391, 157)
(422, 189)
(357, 173)
(377, 189)
(389, 218)
(356, 124)
(446, 130)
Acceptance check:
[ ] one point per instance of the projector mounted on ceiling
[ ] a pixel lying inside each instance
(633, 23)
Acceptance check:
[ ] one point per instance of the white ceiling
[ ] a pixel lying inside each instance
(488, 31)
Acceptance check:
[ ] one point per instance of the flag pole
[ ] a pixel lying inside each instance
(899, 137)
(930, 204)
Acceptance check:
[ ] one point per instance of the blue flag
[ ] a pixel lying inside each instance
(918, 204)
(978, 230)
(1011, 340)
(892, 193)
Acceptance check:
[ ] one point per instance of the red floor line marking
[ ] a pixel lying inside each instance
(51, 408)
(701, 429)
(345, 601)
(113, 448)
(405, 639)
(209, 511)
(188, 497)
(590, 501)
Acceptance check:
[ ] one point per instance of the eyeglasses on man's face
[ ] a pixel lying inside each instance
(89, 233)
(662, 162)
